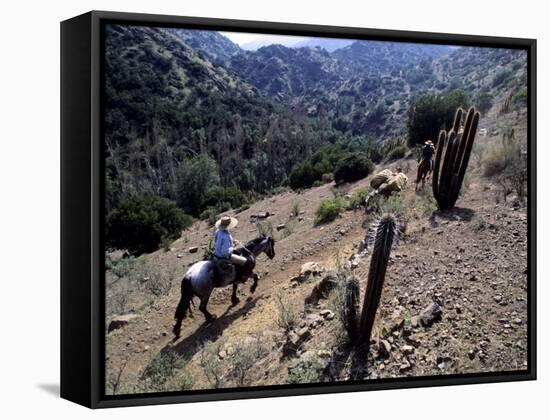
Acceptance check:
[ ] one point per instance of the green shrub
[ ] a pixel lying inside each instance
(327, 177)
(501, 77)
(483, 102)
(329, 209)
(393, 204)
(121, 267)
(519, 100)
(318, 183)
(224, 198)
(397, 152)
(374, 151)
(358, 198)
(141, 224)
(353, 167)
(210, 215)
(242, 208)
(306, 372)
(166, 372)
(303, 175)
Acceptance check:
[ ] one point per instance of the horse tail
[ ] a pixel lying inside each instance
(183, 305)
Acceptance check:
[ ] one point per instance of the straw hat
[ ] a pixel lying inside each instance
(226, 222)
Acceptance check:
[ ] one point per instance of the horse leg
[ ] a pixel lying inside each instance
(202, 307)
(183, 305)
(234, 299)
(254, 283)
(418, 176)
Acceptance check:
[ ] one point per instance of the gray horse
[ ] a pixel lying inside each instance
(201, 279)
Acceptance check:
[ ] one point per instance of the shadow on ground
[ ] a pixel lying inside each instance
(191, 344)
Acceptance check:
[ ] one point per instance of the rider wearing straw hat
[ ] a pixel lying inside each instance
(223, 241)
(428, 151)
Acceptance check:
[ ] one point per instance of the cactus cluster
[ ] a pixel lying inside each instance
(452, 156)
(358, 323)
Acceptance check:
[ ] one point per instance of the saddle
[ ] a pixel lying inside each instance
(224, 271)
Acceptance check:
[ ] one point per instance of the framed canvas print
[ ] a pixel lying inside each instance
(254, 209)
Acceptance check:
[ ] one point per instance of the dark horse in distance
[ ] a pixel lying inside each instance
(201, 279)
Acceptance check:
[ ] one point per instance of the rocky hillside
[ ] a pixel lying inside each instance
(166, 102)
(454, 299)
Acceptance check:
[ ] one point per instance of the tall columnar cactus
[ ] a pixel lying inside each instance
(384, 235)
(451, 158)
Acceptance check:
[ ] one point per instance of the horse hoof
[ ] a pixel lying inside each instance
(177, 332)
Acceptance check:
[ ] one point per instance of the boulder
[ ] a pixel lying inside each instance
(384, 348)
(311, 268)
(120, 321)
(261, 215)
(322, 289)
(327, 314)
(307, 270)
(432, 313)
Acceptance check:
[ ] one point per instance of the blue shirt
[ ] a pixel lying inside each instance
(223, 243)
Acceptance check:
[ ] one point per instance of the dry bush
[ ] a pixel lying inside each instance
(213, 367)
(288, 230)
(478, 152)
(166, 372)
(424, 203)
(507, 163)
(499, 157)
(265, 228)
(155, 280)
(295, 209)
(236, 366)
(113, 378)
(287, 316)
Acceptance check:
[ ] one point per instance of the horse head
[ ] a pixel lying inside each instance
(261, 244)
(270, 248)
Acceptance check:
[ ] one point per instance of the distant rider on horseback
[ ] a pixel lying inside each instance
(428, 151)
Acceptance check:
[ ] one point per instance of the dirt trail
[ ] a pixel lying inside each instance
(136, 344)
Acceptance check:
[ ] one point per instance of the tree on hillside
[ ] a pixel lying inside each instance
(353, 167)
(483, 102)
(430, 113)
(195, 177)
(142, 224)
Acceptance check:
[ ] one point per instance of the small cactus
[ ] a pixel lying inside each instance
(385, 232)
(450, 166)
(351, 308)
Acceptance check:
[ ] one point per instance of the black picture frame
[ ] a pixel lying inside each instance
(82, 215)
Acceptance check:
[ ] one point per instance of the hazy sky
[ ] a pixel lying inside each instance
(241, 38)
